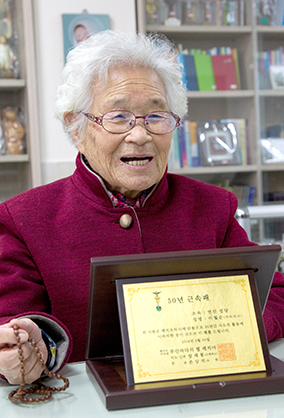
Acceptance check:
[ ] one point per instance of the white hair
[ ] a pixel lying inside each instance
(89, 62)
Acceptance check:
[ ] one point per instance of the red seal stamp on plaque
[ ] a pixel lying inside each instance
(226, 352)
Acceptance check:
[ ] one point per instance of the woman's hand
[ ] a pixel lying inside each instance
(9, 356)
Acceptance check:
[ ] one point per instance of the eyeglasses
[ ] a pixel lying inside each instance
(122, 121)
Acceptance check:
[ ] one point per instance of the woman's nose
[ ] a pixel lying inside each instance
(138, 133)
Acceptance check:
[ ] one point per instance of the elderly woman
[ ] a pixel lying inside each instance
(120, 100)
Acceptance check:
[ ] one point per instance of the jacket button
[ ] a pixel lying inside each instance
(125, 221)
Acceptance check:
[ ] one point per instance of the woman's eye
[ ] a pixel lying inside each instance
(154, 118)
(119, 118)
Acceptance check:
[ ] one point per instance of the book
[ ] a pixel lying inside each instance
(224, 72)
(187, 143)
(224, 12)
(237, 67)
(180, 57)
(241, 12)
(241, 126)
(204, 72)
(251, 196)
(194, 145)
(173, 158)
(180, 155)
(190, 72)
(219, 12)
(181, 143)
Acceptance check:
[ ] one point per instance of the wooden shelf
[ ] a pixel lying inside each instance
(221, 94)
(273, 167)
(271, 93)
(12, 83)
(271, 31)
(216, 169)
(14, 158)
(200, 29)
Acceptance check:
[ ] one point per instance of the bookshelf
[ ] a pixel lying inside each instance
(261, 107)
(21, 172)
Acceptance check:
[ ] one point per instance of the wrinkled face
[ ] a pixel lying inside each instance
(133, 161)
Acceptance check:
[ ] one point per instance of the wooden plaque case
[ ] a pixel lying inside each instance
(105, 360)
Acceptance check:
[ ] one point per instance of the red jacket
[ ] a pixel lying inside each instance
(48, 235)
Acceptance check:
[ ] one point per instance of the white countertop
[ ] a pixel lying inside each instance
(81, 400)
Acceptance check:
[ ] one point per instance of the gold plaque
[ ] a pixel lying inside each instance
(189, 327)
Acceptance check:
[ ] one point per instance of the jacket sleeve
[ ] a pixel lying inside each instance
(274, 311)
(22, 290)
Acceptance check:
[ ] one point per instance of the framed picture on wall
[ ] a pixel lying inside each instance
(78, 27)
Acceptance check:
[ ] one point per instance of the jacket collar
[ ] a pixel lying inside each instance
(93, 187)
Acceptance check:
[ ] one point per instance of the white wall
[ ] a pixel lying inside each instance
(57, 153)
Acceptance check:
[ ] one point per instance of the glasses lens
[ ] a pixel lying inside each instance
(160, 122)
(118, 121)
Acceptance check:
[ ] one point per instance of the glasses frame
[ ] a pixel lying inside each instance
(99, 120)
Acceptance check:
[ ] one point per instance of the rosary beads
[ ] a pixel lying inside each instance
(38, 388)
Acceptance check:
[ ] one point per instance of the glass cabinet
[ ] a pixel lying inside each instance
(19, 164)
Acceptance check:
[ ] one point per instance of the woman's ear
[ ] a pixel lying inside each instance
(70, 119)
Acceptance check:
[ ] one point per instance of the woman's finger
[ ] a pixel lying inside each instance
(7, 336)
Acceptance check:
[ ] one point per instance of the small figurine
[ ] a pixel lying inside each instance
(5, 19)
(7, 58)
(172, 19)
(13, 132)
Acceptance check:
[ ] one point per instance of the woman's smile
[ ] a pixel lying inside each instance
(136, 161)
